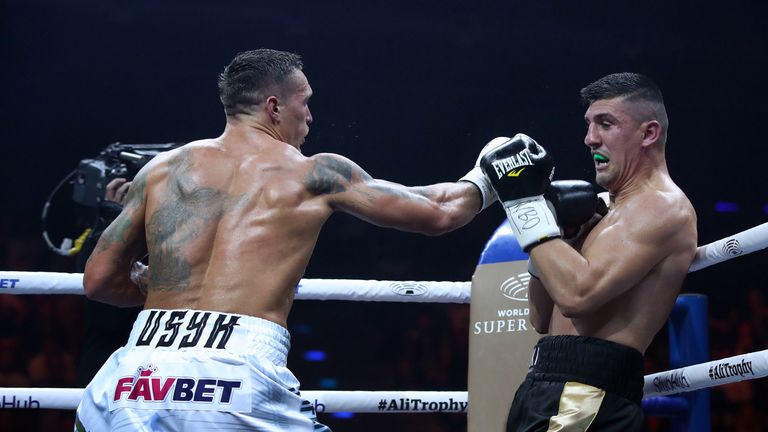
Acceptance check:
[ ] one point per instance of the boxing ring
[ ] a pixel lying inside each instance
(689, 379)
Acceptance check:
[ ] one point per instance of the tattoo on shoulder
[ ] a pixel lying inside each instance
(330, 175)
(136, 191)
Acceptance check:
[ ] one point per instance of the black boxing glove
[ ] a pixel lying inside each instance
(574, 202)
(520, 171)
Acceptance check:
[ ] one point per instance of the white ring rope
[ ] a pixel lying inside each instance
(16, 282)
(703, 375)
(695, 377)
(742, 243)
(324, 401)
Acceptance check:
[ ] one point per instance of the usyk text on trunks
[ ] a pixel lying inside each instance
(507, 165)
(671, 382)
(727, 370)
(407, 404)
(191, 325)
(180, 389)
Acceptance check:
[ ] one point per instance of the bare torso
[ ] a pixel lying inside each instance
(635, 316)
(230, 223)
(230, 226)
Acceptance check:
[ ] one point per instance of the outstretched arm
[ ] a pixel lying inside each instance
(108, 270)
(431, 210)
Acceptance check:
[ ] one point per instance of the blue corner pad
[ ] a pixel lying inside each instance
(502, 247)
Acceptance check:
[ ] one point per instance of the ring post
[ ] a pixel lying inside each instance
(688, 345)
(501, 337)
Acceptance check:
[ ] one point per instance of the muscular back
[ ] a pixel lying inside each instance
(231, 227)
(230, 223)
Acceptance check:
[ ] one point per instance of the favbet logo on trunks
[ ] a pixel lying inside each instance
(727, 370)
(508, 165)
(157, 388)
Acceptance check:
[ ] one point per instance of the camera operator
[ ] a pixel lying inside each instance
(106, 327)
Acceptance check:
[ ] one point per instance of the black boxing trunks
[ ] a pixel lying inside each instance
(579, 383)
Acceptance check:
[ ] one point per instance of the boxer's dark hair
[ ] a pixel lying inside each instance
(247, 80)
(633, 87)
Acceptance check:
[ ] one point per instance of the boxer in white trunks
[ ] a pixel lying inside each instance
(229, 225)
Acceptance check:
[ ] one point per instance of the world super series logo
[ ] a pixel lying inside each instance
(516, 287)
(409, 289)
(732, 247)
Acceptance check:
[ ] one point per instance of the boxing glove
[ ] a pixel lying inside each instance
(476, 176)
(574, 202)
(520, 171)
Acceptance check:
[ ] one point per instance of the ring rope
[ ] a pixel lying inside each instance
(18, 282)
(742, 243)
(323, 401)
(695, 377)
(703, 375)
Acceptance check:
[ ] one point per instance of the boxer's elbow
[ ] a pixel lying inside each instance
(576, 306)
(438, 228)
(91, 285)
(576, 298)
(95, 283)
(540, 326)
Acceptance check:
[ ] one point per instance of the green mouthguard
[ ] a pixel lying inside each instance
(600, 158)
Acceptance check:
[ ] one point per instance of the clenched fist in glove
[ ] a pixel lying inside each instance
(520, 171)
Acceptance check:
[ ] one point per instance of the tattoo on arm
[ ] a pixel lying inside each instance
(330, 175)
(116, 232)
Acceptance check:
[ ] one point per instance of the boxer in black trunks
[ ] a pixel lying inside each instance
(603, 295)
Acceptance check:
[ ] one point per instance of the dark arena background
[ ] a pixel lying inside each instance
(410, 91)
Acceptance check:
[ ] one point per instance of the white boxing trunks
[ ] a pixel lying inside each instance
(188, 370)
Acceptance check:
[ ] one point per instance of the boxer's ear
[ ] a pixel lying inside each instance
(272, 105)
(651, 132)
